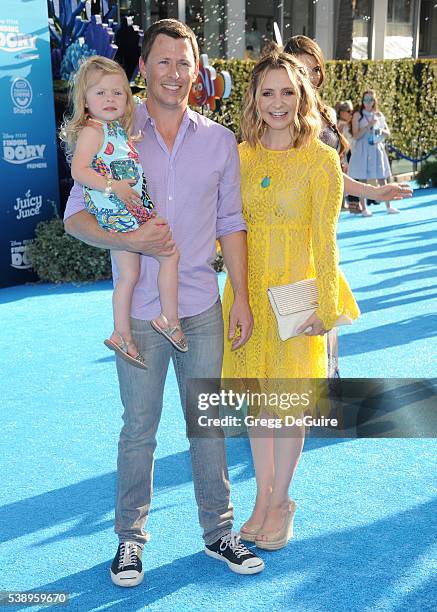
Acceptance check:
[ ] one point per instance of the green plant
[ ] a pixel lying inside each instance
(59, 258)
(427, 174)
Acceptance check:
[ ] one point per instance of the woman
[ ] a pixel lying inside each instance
(310, 55)
(344, 111)
(292, 190)
(369, 159)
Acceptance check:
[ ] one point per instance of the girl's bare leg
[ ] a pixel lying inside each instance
(168, 291)
(128, 265)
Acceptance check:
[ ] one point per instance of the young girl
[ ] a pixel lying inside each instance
(369, 159)
(99, 134)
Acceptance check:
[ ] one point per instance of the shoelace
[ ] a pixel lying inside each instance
(232, 540)
(128, 554)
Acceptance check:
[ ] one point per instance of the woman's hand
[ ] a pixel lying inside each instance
(392, 191)
(125, 193)
(313, 326)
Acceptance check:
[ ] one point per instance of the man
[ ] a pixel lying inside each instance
(192, 169)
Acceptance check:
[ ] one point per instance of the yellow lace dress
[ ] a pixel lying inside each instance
(291, 236)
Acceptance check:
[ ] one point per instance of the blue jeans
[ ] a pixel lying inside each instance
(141, 393)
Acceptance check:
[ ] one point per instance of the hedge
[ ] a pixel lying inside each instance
(59, 258)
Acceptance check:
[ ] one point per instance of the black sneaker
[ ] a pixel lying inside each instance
(239, 558)
(127, 569)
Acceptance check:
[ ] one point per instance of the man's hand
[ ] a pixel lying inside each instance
(240, 317)
(152, 238)
(313, 326)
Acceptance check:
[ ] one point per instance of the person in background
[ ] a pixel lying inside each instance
(344, 111)
(369, 161)
(311, 56)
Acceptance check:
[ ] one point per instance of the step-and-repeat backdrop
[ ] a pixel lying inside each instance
(28, 165)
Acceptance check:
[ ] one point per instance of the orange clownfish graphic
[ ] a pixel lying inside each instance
(209, 87)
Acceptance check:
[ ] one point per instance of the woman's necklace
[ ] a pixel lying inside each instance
(267, 179)
(266, 182)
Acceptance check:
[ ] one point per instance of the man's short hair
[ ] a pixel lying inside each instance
(172, 28)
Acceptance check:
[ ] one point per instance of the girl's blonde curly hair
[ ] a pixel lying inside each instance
(306, 125)
(94, 67)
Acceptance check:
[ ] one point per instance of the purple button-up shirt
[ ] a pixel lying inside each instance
(196, 187)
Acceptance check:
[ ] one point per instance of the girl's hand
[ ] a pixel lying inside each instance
(313, 326)
(372, 122)
(125, 193)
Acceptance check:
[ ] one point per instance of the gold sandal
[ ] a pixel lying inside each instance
(279, 538)
(169, 332)
(122, 350)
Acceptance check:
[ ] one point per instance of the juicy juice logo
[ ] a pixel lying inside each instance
(29, 206)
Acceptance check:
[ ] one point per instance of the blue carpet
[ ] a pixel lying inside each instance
(366, 508)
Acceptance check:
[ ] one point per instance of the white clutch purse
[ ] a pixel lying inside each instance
(294, 303)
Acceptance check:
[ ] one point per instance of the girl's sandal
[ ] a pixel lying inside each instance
(169, 332)
(122, 350)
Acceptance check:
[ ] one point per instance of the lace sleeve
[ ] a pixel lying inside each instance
(327, 194)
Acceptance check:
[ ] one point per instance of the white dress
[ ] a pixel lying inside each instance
(369, 161)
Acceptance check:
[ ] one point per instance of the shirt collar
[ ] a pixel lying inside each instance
(189, 115)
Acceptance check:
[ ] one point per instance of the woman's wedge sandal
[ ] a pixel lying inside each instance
(168, 331)
(122, 350)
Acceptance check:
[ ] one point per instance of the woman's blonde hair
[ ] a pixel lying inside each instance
(81, 82)
(306, 125)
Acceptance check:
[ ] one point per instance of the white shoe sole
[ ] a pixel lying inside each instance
(127, 581)
(238, 569)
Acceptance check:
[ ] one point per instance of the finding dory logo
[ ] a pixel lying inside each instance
(11, 39)
(209, 87)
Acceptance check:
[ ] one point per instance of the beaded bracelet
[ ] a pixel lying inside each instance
(108, 188)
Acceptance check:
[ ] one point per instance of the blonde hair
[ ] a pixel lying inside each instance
(82, 81)
(306, 124)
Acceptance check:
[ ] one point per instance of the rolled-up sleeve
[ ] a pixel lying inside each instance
(75, 202)
(229, 216)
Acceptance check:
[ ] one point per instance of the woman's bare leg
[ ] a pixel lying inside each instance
(262, 445)
(287, 452)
